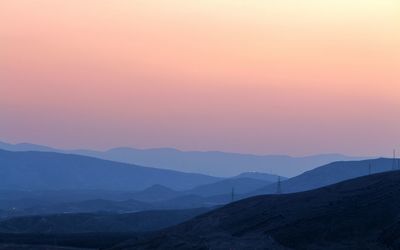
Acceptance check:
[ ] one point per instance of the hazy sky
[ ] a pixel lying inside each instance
(260, 76)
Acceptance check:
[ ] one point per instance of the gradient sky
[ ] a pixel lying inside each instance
(259, 76)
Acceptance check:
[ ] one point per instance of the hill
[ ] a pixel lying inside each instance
(260, 176)
(239, 186)
(55, 171)
(361, 213)
(156, 193)
(329, 174)
(217, 163)
(211, 163)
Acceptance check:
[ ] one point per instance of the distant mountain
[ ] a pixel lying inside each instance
(217, 163)
(89, 206)
(361, 213)
(260, 176)
(55, 171)
(156, 193)
(26, 147)
(18, 208)
(56, 196)
(237, 185)
(100, 222)
(329, 174)
(210, 163)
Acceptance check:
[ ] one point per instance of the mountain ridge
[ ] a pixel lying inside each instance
(360, 213)
(51, 170)
(205, 162)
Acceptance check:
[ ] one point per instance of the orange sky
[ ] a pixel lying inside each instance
(260, 76)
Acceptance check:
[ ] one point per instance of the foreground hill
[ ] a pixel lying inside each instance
(55, 171)
(329, 174)
(36, 247)
(210, 163)
(362, 213)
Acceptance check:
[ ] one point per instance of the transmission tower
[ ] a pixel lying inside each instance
(279, 186)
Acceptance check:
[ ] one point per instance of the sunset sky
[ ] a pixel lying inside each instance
(253, 76)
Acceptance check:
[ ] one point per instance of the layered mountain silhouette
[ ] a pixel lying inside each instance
(156, 193)
(260, 176)
(361, 213)
(330, 174)
(329, 217)
(55, 171)
(210, 163)
(228, 186)
(46, 182)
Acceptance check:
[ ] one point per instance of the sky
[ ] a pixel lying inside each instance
(253, 76)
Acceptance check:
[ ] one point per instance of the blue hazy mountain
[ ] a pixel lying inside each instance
(260, 176)
(26, 147)
(217, 163)
(210, 163)
(156, 193)
(54, 171)
(237, 185)
(361, 213)
(329, 174)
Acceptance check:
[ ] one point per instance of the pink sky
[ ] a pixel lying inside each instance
(291, 77)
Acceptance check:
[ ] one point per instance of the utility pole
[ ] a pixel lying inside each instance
(394, 160)
(279, 186)
(233, 195)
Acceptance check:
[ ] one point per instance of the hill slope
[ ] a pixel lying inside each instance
(217, 163)
(156, 193)
(55, 171)
(260, 176)
(210, 163)
(329, 174)
(239, 185)
(355, 214)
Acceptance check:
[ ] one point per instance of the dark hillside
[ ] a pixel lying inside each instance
(357, 214)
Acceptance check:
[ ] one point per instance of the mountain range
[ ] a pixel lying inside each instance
(55, 171)
(64, 196)
(47, 182)
(329, 174)
(210, 163)
(361, 213)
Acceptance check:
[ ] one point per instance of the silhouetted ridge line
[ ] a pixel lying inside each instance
(358, 213)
